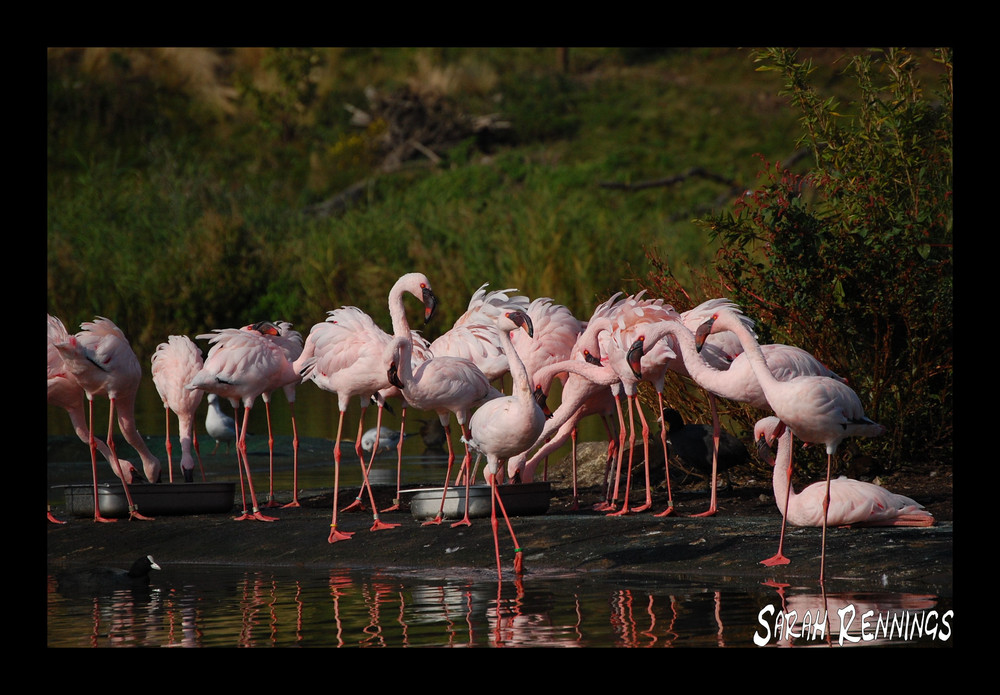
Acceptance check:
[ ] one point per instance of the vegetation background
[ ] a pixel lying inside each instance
(199, 188)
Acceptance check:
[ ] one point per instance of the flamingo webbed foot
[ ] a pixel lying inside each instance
(433, 522)
(462, 522)
(778, 559)
(382, 525)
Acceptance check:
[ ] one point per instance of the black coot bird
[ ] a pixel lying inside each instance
(97, 578)
(691, 446)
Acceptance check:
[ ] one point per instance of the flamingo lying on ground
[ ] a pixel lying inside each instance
(851, 502)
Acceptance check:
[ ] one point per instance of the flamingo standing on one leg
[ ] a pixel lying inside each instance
(174, 364)
(818, 409)
(851, 502)
(347, 355)
(101, 359)
(506, 426)
(240, 366)
(65, 391)
(733, 380)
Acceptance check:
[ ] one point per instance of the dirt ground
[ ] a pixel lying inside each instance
(726, 547)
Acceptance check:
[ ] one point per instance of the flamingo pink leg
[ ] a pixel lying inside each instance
(335, 534)
(241, 448)
(611, 500)
(295, 460)
(270, 503)
(447, 476)
(379, 525)
(716, 429)
(518, 555)
(666, 464)
(93, 462)
(628, 475)
(466, 521)
(779, 557)
(133, 508)
(399, 462)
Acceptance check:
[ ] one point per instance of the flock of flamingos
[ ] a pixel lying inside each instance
(626, 340)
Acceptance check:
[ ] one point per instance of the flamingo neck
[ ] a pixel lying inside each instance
(780, 481)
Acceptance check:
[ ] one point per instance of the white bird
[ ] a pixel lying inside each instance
(219, 425)
(506, 426)
(379, 441)
(818, 409)
(852, 502)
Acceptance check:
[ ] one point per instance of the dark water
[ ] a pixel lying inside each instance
(207, 606)
(204, 606)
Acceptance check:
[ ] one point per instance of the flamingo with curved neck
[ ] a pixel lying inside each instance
(817, 409)
(506, 426)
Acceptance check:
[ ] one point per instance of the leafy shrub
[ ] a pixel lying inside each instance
(852, 260)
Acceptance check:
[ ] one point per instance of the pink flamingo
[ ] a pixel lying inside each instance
(290, 342)
(817, 409)
(712, 371)
(851, 502)
(445, 385)
(347, 355)
(473, 335)
(174, 364)
(580, 390)
(555, 333)
(240, 366)
(65, 391)
(506, 426)
(587, 391)
(103, 363)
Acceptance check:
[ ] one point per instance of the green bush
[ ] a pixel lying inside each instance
(853, 260)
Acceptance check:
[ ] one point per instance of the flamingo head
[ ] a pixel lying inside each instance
(634, 356)
(703, 331)
(766, 432)
(521, 320)
(591, 358)
(430, 302)
(540, 399)
(263, 327)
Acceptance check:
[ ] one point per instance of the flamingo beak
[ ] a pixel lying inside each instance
(265, 328)
(591, 358)
(764, 451)
(393, 375)
(540, 399)
(634, 357)
(430, 303)
(522, 320)
(702, 333)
